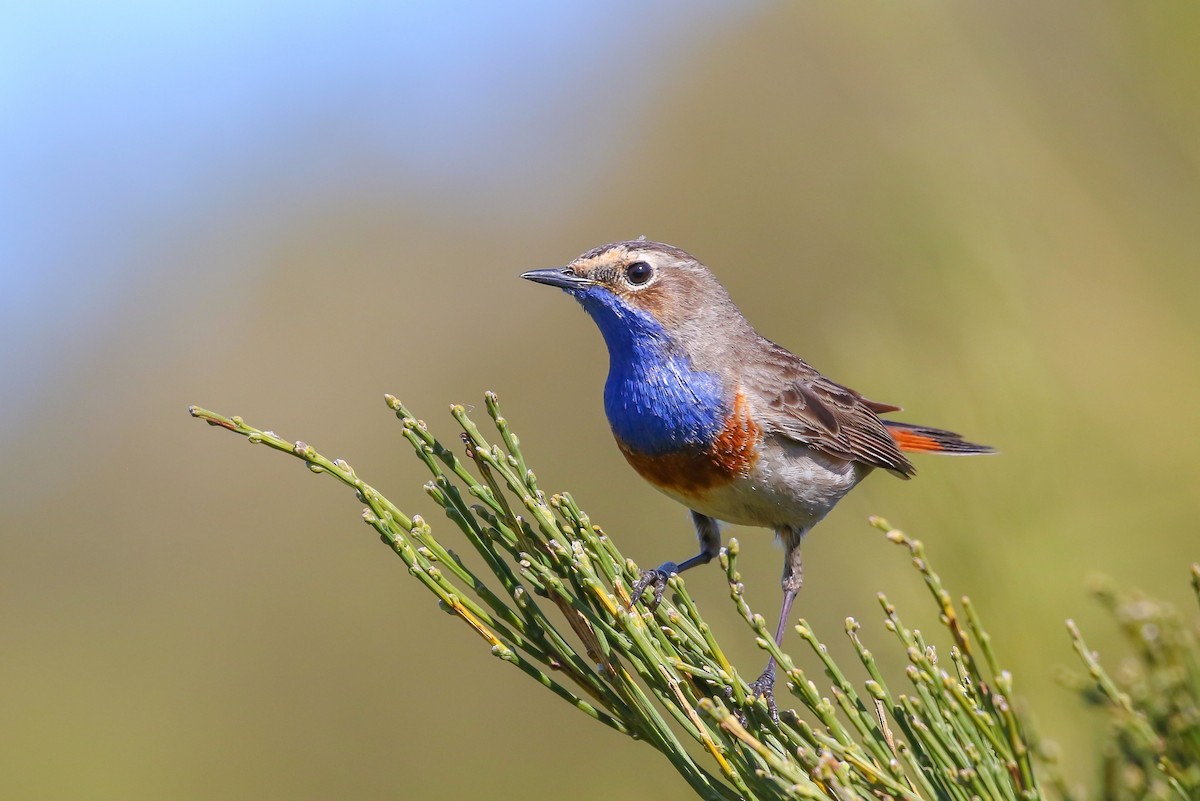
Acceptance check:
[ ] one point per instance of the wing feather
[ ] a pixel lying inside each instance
(807, 407)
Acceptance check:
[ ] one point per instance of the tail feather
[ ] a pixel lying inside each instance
(922, 439)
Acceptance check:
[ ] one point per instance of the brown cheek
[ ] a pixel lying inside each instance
(651, 300)
(672, 302)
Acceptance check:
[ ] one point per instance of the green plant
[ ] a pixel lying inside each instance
(1153, 702)
(555, 604)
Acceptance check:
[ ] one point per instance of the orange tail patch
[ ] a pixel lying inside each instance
(922, 439)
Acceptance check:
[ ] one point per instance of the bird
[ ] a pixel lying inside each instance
(733, 426)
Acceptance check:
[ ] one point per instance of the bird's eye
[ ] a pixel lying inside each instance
(638, 273)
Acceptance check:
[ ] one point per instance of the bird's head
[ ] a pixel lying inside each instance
(641, 289)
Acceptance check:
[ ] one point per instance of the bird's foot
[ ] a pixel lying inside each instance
(656, 578)
(764, 686)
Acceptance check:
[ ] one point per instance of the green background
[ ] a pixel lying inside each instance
(987, 213)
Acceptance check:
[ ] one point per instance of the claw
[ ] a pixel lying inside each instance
(764, 685)
(656, 578)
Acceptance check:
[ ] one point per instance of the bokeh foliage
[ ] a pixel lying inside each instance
(1153, 697)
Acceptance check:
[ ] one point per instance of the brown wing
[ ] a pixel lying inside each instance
(805, 406)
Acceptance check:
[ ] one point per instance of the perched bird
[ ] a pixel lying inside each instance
(726, 422)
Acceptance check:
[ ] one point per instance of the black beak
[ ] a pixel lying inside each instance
(561, 277)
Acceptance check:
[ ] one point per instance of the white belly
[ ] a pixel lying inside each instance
(789, 485)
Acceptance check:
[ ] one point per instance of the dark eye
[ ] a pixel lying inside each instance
(638, 273)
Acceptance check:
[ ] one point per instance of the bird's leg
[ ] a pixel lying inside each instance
(793, 577)
(708, 531)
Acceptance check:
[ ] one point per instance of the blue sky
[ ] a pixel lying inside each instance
(124, 120)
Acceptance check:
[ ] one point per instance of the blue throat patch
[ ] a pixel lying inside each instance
(655, 400)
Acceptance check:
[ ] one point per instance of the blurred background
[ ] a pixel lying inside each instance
(984, 212)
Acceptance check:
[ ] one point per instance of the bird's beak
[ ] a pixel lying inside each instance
(561, 277)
